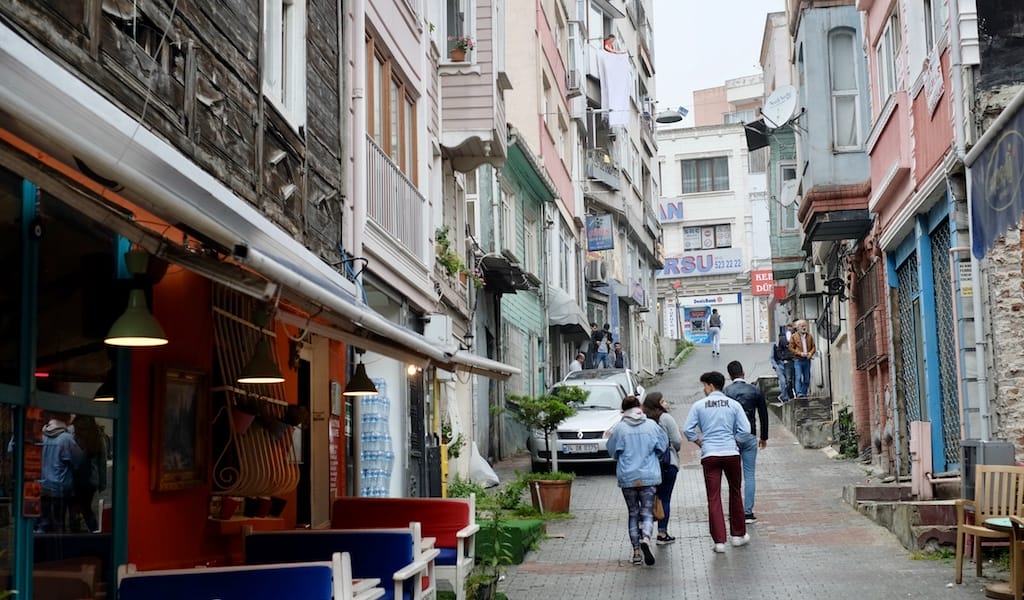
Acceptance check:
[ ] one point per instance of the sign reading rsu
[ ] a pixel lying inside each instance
(710, 262)
(763, 282)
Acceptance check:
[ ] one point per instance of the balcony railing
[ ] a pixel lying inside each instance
(393, 202)
(601, 167)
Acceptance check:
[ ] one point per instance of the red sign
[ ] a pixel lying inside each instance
(781, 292)
(762, 282)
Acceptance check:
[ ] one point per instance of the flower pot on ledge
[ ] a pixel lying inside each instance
(457, 55)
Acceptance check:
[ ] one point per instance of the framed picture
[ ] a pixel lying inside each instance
(180, 429)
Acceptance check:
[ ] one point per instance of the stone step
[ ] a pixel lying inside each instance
(926, 525)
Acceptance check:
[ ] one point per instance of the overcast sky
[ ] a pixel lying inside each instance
(699, 44)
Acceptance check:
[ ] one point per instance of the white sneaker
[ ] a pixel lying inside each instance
(720, 548)
(741, 541)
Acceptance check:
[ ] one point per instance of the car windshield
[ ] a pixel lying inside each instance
(616, 376)
(602, 397)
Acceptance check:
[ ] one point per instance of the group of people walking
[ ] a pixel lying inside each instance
(646, 442)
(791, 358)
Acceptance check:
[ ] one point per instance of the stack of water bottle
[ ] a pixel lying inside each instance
(377, 455)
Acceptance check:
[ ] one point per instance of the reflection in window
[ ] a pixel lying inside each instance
(10, 292)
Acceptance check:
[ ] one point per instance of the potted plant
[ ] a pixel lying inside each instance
(446, 257)
(460, 46)
(549, 491)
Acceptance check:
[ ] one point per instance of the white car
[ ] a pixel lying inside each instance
(580, 439)
(624, 377)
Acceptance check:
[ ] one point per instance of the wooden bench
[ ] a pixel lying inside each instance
(397, 557)
(450, 521)
(321, 580)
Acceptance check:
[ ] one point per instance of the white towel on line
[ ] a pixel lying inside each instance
(616, 86)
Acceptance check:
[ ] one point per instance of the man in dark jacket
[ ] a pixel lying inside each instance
(782, 361)
(753, 401)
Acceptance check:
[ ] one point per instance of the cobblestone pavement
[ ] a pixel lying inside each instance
(806, 544)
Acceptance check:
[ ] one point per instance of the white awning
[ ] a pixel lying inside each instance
(52, 108)
(565, 312)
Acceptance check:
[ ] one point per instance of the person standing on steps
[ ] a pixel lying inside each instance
(635, 443)
(801, 345)
(752, 400)
(715, 329)
(602, 342)
(720, 420)
(782, 362)
(618, 357)
(656, 409)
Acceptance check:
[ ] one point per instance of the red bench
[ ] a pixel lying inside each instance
(450, 521)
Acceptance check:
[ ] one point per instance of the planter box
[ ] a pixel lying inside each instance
(521, 534)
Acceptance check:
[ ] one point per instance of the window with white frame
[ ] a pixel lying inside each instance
(472, 201)
(885, 58)
(284, 57)
(706, 237)
(843, 75)
(530, 244)
(787, 216)
(458, 23)
(705, 175)
(934, 22)
(508, 219)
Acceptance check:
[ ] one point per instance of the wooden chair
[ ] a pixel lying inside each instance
(1017, 557)
(998, 492)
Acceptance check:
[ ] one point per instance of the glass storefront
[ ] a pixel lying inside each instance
(58, 453)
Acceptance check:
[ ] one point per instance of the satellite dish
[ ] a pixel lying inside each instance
(780, 106)
(787, 195)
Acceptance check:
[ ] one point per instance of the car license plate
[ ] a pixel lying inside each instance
(579, 448)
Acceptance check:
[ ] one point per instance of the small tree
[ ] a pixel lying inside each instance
(546, 411)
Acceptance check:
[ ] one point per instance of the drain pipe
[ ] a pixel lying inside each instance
(957, 75)
(953, 267)
(359, 145)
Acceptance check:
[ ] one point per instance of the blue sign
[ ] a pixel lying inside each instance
(997, 187)
(670, 210)
(719, 261)
(600, 233)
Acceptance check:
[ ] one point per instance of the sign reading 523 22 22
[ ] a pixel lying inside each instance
(704, 262)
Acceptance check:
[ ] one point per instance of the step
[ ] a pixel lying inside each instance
(926, 525)
(809, 419)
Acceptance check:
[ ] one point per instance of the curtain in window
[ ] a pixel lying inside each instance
(721, 170)
(689, 176)
(845, 108)
(704, 176)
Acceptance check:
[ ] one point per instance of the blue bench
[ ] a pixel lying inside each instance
(321, 580)
(394, 556)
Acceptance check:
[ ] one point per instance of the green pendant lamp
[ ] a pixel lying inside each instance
(136, 327)
(261, 367)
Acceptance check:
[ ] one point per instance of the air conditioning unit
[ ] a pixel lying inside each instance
(809, 284)
(439, 329)
(596, 270)
(572, 83)
(980, 452)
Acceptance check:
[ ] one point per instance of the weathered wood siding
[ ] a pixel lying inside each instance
(204, 96)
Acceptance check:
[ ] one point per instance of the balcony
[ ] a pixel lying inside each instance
(394, 205)
(836, 212)
(601, 168)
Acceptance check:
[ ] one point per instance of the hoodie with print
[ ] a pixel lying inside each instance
(636, 443)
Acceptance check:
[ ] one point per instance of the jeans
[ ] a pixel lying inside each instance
(790, 378)
(748, 456)
(601, 358)
(803, 376)
(781, 370)
(640, 502)
(716, 334)
(664, 491)
(714, 467)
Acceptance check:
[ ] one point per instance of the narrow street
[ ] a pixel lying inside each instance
(807, 542)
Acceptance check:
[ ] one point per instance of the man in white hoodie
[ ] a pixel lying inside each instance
(636, 443)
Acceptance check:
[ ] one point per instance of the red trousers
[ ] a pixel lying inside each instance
(714, 466)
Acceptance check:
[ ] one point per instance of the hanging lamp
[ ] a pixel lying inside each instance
(360, 384)
(261, 367)
(107, 392)
(136, 327)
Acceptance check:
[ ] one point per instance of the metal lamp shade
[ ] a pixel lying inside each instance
(107, 392)
(136, 327)
(668, 116)
(261, 368)
(360, 384)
